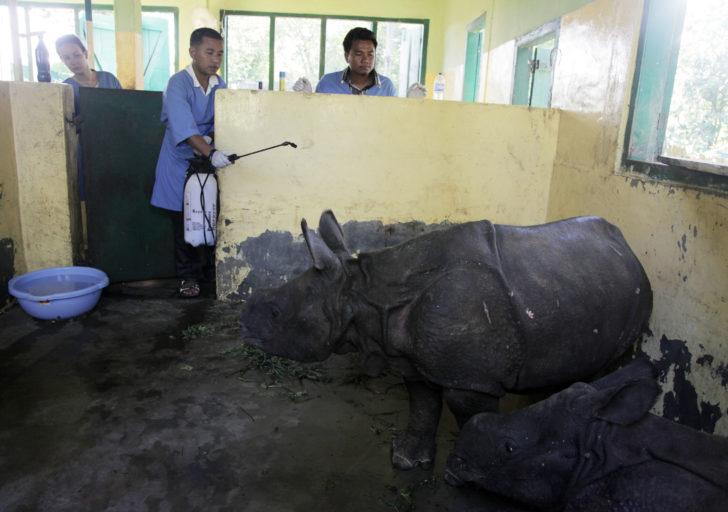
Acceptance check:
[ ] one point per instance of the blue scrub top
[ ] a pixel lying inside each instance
(186, 111)
(335, 83)
(106, 81)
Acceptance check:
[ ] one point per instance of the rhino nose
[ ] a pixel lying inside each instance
(454, 465)
(452, 479)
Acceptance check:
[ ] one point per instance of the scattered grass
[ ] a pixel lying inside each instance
(405, 499)
(279, 368)
(198, 331)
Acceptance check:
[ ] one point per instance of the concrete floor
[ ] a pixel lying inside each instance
(145, 403)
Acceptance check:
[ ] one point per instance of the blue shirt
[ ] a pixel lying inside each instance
(106, 81)
(337, 83)
(186, 110)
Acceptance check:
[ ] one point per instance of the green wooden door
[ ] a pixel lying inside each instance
(472, 65)
(155, 53)
(541, 86)
(121, 134)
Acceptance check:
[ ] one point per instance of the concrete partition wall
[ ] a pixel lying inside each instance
(40, 222)
(388, 160)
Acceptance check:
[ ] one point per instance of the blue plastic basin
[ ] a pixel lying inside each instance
(59, 292)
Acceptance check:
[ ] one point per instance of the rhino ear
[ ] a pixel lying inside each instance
(622, 404)
(634, 370)
(323, 257)
(331, 232)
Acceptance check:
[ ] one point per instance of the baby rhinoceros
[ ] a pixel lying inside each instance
(467, 313)
(595, 448)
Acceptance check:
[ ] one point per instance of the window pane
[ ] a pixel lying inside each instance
(6, 55)
(247, 51)
(399, 53)
(158, 49)
(54, 22)
(336, 30)
(104, 39)
(697, 127)
(297, 49)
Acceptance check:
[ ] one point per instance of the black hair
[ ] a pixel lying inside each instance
(199, 34)
(69, 38)
(358, 34)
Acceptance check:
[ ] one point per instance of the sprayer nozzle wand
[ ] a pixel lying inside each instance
(232, 158)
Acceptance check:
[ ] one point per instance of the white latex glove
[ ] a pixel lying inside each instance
(302, 85)
(417, 90)
(219, 158)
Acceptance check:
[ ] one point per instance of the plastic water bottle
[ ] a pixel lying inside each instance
(438, 91)
(282, 81)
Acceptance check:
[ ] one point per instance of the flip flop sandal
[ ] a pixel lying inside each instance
(189, 289)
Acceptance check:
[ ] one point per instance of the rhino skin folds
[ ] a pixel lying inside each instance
(467, 313)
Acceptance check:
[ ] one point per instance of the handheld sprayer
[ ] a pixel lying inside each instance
(201, 197)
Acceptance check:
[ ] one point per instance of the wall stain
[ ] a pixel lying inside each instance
(276, 257)
(681, 404)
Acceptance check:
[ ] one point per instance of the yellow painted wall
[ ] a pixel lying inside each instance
(504, 21)
(387, 159)
(39, 200)
(680, 235)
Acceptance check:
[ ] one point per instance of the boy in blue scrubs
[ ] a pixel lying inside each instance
(188, 109)
(360, 47)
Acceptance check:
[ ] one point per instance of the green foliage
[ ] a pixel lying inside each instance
(280, 368)
(247, 50)
(198, 331)
(405, 499)
(698, 123)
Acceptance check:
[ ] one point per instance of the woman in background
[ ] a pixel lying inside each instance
(74, 55)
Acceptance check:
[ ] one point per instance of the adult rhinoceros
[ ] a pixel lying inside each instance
(471, 311)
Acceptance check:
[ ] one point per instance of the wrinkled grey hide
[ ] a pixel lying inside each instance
(469, 312)
(595, 448)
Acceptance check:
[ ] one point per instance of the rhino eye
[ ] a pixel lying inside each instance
(274, 310)
(509, 446)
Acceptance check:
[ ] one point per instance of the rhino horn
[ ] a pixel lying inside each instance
(323, 257)
(333, 235)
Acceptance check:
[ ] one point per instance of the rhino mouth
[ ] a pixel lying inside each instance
(253, 342)
(453, 479)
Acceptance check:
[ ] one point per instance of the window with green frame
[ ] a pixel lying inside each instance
(261, 45)
(677, 130)
(159, 40)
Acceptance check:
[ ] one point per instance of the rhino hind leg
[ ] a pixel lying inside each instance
(415, 446)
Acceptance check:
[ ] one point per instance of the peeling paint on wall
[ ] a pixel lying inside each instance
(680, 402)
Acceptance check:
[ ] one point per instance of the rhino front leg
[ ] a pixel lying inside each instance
(465, 404)
(416, 445)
